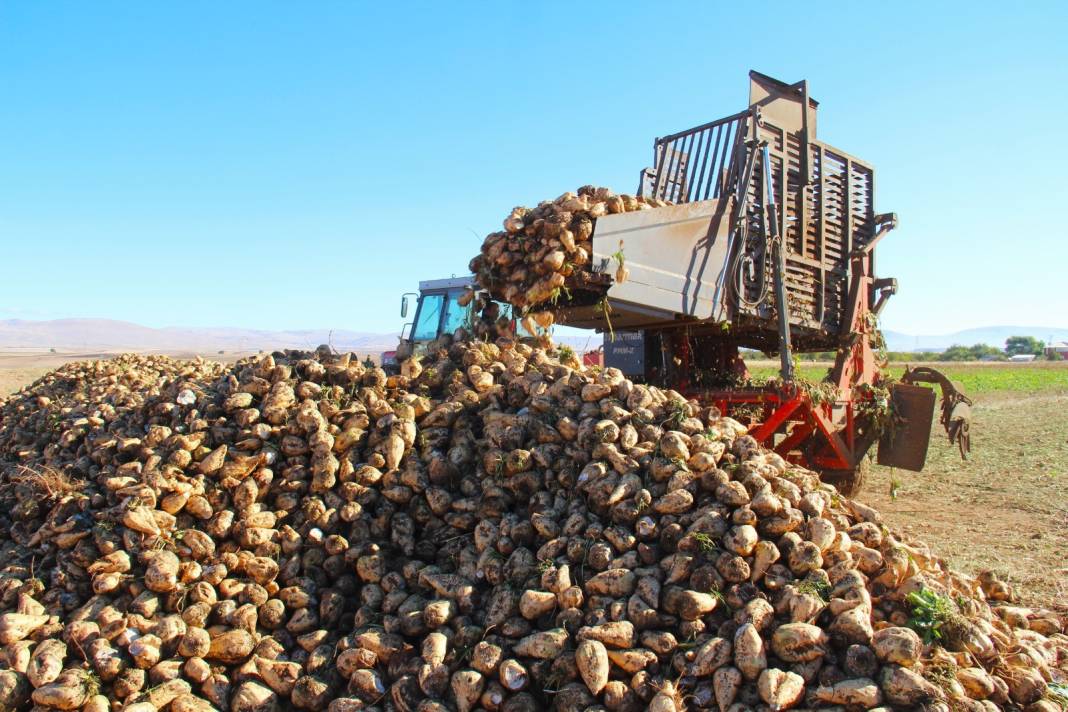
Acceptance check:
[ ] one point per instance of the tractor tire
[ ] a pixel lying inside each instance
(848, 482)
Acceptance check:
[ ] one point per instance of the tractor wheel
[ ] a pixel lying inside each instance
(848, 482)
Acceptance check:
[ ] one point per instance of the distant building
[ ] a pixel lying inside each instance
(1058, 349)
(1022, 358)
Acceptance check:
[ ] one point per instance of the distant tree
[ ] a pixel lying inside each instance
(983, 351)
(977, 352)
(956, 352)
(1015, 345)
(912, 356)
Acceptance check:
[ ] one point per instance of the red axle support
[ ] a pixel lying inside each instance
(809, 437)
(855, 364)
(764, 431)
(820, 436)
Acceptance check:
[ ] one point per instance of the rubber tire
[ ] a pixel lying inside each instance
(848, 482)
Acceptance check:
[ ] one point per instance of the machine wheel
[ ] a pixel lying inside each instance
(848, 482)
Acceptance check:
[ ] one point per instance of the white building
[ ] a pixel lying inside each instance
(1057, 349)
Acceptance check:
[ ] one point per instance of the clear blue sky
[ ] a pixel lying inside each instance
(286, 165)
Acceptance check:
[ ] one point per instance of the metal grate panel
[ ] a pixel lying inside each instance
(821, 220)
(697, 164)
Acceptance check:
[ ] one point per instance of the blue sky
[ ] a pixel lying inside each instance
(289, 165)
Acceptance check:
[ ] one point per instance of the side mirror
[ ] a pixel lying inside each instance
(404, 306)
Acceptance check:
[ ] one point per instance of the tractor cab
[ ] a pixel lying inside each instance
(439, 309)
(442, 307)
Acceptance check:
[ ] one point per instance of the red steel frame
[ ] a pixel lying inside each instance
(821, 436)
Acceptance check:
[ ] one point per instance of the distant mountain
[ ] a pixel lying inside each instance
(990, 335)
(110, 335)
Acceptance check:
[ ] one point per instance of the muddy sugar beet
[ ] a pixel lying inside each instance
(493, 530)
(529, 262)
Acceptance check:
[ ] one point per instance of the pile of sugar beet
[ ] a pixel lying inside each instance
(530, 262)
(494, 529)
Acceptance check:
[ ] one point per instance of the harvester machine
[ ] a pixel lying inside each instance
(768, 244)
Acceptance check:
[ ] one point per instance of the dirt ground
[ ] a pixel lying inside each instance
(21, 368)
(14, 378)
(1005, 509)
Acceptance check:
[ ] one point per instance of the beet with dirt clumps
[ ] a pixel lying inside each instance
(493, 529)
(541, 250)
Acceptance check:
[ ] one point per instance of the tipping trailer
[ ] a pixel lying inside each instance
(769, 245)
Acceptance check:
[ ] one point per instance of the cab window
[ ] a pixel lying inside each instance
(507, 312)
(429, 317)
(455, 315)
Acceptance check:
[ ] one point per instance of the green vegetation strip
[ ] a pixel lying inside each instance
(972, 378)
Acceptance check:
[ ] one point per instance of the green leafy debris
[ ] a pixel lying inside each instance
(930, 612)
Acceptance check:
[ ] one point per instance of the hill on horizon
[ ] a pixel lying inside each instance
(990, 335)
(111, 335)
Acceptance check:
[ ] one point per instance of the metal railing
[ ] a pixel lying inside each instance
(696, 164)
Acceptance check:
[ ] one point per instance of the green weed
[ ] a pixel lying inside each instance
(707, 544)
(974, 379)
(816, 587)
(678, 411)
(930, 612)
(895, 486)
(1057, 693)
(605, 309)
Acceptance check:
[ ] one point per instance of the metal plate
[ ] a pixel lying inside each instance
(781, 102)
(626, 352)
(675, 256)
(905, 446)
